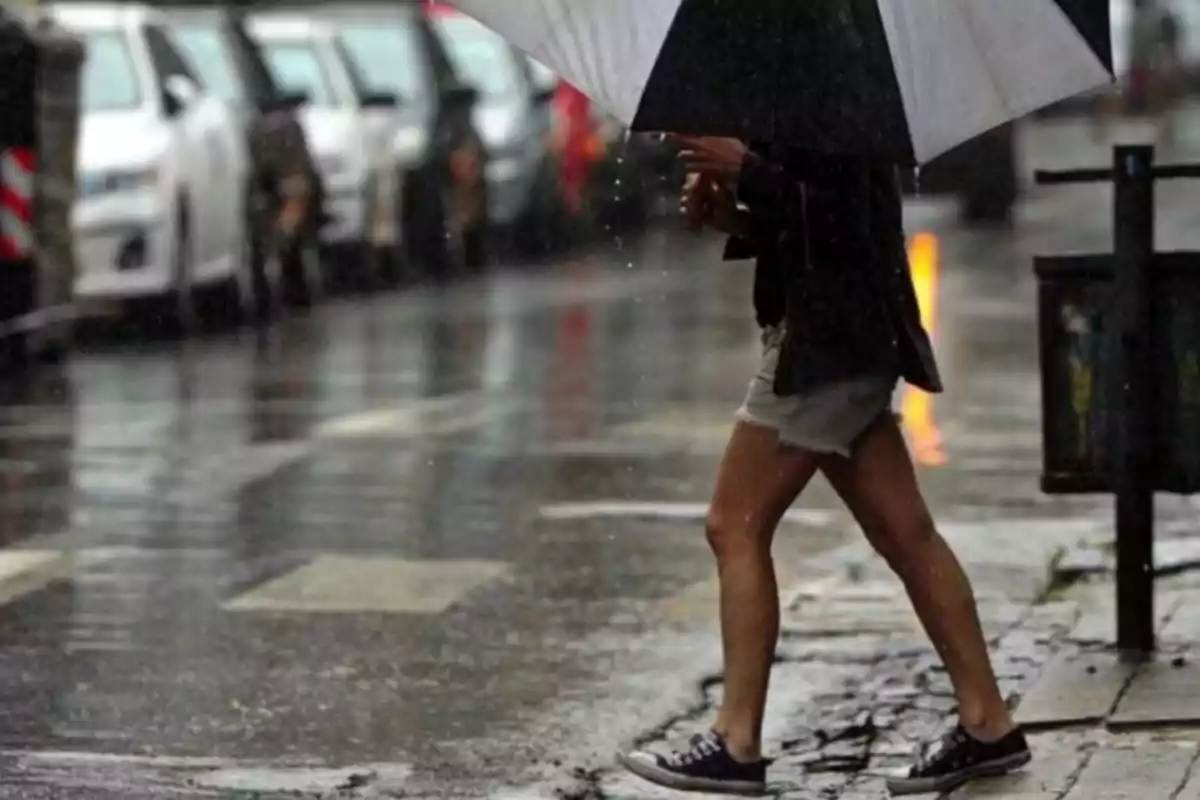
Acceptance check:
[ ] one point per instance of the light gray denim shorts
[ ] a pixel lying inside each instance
(827, 419)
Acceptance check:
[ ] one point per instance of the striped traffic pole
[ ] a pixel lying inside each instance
(18, 177)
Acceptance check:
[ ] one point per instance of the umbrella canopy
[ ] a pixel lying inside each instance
(906, 79)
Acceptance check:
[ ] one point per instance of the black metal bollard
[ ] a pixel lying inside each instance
(1133, 431)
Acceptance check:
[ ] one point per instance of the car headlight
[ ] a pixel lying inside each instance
(94, 184)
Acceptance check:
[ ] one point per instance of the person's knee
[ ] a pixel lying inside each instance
(732, 534)
(903, 541)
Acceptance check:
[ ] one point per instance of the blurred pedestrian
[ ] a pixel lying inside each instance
(840, 327)
(1155, 68)
(1171, 70)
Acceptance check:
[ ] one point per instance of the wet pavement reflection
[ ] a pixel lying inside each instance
(329, 544)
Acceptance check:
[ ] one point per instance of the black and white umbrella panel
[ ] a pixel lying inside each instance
(909, 79)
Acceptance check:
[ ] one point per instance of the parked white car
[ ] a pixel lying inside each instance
(349, 130)
(160, 166)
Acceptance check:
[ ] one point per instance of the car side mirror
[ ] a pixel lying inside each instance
(380, 100)
(463, 95)
(289, 101)
(179, 94)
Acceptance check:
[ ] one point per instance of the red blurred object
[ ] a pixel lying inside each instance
(435, 8)
(574, 112)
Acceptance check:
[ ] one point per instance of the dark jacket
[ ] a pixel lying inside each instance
(828, 236)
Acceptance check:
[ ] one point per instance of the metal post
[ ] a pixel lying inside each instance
(1133, 464)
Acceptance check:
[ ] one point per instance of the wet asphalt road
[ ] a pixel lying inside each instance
(436, 542)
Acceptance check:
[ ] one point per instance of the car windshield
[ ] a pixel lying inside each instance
(110, 79)
(386, 57)
(481, 57)
(298, 69)
(208, 53)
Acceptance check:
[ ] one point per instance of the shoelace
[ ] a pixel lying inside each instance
(700, 747)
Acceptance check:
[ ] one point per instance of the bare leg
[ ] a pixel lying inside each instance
(758, 480)
(879, 485)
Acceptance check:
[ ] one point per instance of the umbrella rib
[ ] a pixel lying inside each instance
(566, 26)
(975, 40)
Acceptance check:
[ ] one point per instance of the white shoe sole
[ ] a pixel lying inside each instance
(671, 780)
(992, 769)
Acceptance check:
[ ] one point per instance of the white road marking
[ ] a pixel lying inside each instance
(350, 584)
(23, 572)
(436, 416)
(668, 511)
(114, 770)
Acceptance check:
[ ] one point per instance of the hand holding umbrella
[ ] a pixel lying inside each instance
(707, 200)
(717, 156)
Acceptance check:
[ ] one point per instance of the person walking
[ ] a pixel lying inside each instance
(1154, 42)
(840, 327)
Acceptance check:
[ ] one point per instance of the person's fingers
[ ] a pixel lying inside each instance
(696, 148)
(716, 186)
(700, 162)
(691, 208)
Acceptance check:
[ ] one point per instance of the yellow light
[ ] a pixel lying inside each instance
(924, 255)
(916, 409)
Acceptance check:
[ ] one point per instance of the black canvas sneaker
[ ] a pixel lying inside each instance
(703, 765)
(960, 757)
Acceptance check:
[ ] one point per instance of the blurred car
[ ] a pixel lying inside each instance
(283, 192)
(349, 142)
(438, 157)
(160, 202)
(514, 119)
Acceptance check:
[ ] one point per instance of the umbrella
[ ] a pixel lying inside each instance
(906, 79)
